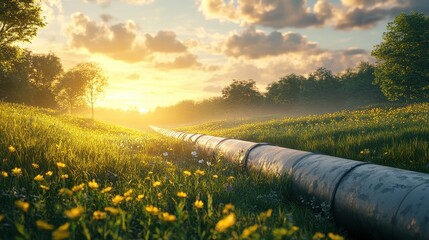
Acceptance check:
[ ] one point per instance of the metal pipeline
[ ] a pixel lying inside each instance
(369, 200)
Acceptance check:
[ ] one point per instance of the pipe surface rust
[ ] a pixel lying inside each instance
(369, 200)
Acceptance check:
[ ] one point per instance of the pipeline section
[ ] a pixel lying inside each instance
(369, 200)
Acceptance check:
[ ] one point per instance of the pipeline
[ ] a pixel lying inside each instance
(369, 200)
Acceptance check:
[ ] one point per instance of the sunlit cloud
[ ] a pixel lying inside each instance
(180, 62)
(107, 2)
(133, 76)
(164, 41)
(270, 13)
(279, 14)
(256, 44)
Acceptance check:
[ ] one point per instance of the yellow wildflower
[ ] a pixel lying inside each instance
(150, 173)
(44, 225)
(62, 232)
(39, 177)
(16, 171)
(74, 212)
(99, 215)
(64, 176)
(228, 207)
(335, 236)
(280, 232)
(225, 223)
(318, 235)
(231, 178)
(265, 215)
(182, 194)
(35, 165)
(65, 191)
(140, 197)
(187, 173)
(198, 204)
(293, 229)
(4, 174)
(44, 187)
(22, 205)
(106, 189)
(199, 172)
(215, 176)
(159, 195)
(111, 210)
(93, 184)
(152, 210)
(117, 199)
(78, 188)
(249, 231)
(128, 193)
(127, 199)
(166, 217)
(1, 217)
(61, 165)
(11, 149)
(49, 173)
(156, 184)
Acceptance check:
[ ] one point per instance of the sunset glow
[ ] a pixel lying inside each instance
(158, 52)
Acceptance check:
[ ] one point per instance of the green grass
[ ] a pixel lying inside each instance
(392, 136)
(37, 144)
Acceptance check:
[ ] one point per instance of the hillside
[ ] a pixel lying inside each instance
(392, 136)
(72, 178)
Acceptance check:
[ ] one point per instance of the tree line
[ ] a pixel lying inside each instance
(400, 74)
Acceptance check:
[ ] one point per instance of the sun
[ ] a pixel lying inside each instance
(143, 110)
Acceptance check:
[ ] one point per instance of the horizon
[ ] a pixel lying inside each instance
(158, 53)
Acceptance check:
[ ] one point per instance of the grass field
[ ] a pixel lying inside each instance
(70, 178)
(392, 136)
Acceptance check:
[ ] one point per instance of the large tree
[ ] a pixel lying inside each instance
(403, 58)
(19, 22)
(45, 69)
(286, 91)
(242, 92)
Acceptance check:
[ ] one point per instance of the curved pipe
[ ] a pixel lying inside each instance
(371, 201)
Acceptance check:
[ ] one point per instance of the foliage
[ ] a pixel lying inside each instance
(84, 82)
(45, 70)
(392, 136)
(241, 92)
(285, 91)
(19, 22)
(403, 58)
(64, 177)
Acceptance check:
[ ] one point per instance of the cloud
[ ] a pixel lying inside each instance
(120, 41)
(52, 9)
(271, 13)
(184, 61)
(164, 41)
(116, 41)
(213, 89)
(255, 44)
(133, 76)
(107, 2)
(278, 14)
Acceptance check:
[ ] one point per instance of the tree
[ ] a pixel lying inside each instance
(70, 90)
(83, 83)
(19, 22)
(358, 87)
(403, 58)
(95, 82)
(286, 91)
(322, 87)
(14, 84)
(45, 70)
(242, 92)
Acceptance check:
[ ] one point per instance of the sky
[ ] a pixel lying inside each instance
(159, 52)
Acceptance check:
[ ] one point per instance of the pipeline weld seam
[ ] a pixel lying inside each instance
(191, 135)
(246, 156)
(299, 160)
(215, 149)
(334, 193)
(400, 204)
(198, 137)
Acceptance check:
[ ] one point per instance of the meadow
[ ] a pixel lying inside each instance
(392, 136)
(72, 178)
